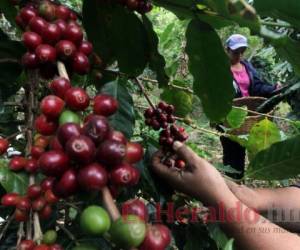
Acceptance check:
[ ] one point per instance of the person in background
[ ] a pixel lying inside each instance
(246, 82)
(201, 180)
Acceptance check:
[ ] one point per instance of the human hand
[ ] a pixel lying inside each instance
(199, 178)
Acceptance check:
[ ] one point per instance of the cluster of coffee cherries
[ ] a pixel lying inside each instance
(48, 243)
(79, 153)
(38, 198)
(157, 236)
(161, 118)
(52, 33)
(86, 153)
(141, 6)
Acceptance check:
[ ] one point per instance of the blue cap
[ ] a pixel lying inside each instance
(236, 41)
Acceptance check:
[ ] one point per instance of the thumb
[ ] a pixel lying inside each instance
(185, 153)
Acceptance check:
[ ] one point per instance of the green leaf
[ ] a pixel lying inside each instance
(240, 139)
(180, 99)
(288, 49)
(287, 10)
(3, 36)
(280, 161)
(11, 181)
(217, 235)
(181, 8)
(262, 135)
(236, 117)
(10, 67)
(220, 6)
(229, 245)
(153, 185)
(117, 34)
(210, 68)
(156, 61)
(129, 41)
(215, 21)
(97, 16)
(9, 11)
(234, 11)
(124, 119)
(165, 36)
(197, 238)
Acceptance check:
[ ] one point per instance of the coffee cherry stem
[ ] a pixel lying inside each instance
(29, 227)
(141, 86)
(110, 204)
(111, 207)
(38, 234)
(67, 232)
(20, 233)
(62, 70)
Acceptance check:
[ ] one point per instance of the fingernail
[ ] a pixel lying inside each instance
(177, 145)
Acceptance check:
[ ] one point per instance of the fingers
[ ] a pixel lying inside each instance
(161, 169)
(185, 153)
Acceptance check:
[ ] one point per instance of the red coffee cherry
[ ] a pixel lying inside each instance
(38, 25)
(30, 60)
(45, 126)
(105, 105)
(86, 48)
(52, 33)
(46, 53)
(62, 25)
(34, 191)
(158, 237)
(26, 245)
(50, 197)
(38, 204)
(17, 163)
(54, 163)
(134, 152)
(77, 99)
(31, 166)
(81, 149)
(111, 153)
(80, 63)
(10, 199)
(52, 106)
(135, 207)
(27, 14)
(45, 214)
(20, 215)
(31, 40)
(92, 177)
(47, 183)
(62, 12)
(4, 144)
(59, 86)
(73, 33)
(36, 152)
(24, 204)
(122, 175)
(65, 49)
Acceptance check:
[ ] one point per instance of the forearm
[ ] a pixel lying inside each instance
(252, 231)
(268, 202)
(250, 197)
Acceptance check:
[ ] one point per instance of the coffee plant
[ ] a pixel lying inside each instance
(74, 166)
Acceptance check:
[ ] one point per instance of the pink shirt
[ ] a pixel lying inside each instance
(242, 79)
